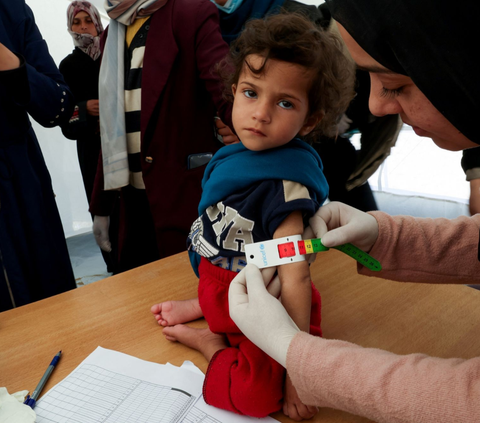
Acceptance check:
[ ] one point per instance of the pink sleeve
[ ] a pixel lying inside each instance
(383, 386)
(427, 250)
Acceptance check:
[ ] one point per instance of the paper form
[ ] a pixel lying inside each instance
(109, 386)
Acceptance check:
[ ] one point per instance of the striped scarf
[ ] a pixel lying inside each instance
(112, 91)
(126, 11)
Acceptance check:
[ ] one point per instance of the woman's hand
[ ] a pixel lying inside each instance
(93, 108)
(336, 224)
(8, 60)
(259, 315)
(101, 224)
(228, 136)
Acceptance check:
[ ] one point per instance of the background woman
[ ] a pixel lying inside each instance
(34, 261)
(80, 70)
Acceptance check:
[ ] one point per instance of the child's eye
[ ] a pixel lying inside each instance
(389, 93)
(284, 104)
(250, 93)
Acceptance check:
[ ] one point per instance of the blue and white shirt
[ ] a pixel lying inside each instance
(252, 211)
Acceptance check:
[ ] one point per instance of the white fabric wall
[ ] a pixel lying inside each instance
(420, 179)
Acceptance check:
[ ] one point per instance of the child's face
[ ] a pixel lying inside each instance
(270, 109)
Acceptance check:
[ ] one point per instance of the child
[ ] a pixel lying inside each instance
(290, 78)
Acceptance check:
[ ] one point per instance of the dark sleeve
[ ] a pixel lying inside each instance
(77, 126)
(471, 163)
(319, 16)
(44, 95)
(14, 82)
(210, 50)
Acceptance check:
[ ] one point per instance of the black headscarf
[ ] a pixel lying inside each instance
(434, 42)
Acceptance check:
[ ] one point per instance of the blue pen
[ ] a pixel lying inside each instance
(32, 400)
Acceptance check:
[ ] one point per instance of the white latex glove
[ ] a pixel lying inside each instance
(12, 409)
(336, 224)
(259, 315)
(100, 231)
(273, 285)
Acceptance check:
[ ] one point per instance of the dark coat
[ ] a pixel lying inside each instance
(180, 97)
(81, 75)
(34, 261)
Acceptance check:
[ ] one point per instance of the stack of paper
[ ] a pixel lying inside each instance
(109, 386)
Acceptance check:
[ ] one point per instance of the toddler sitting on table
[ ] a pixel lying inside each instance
(289, 78)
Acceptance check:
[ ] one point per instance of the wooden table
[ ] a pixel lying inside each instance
(114, 313)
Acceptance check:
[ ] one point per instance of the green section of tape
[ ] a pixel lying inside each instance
(318, 246)
(362, 257)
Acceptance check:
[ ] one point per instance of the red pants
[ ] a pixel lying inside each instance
(240, 378)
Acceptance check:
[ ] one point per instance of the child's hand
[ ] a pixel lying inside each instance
(293, 407)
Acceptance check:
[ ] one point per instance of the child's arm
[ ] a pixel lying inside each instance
(295, 277)
(296, 298)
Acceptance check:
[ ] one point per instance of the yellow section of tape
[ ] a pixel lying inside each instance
(308, 246)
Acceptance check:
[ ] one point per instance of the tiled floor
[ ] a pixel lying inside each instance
(87, 261)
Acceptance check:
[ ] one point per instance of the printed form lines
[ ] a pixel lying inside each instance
(198, 416)
(96, 395)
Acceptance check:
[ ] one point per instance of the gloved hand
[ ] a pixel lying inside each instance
(100, 231)
(336, 224)
(273, 285)
(259, 315)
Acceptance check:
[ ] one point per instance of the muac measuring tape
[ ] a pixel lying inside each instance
(291, 249)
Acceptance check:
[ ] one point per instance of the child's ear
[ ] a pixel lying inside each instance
(234, 89)
(310, 124)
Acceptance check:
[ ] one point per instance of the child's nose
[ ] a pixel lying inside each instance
(262, 112)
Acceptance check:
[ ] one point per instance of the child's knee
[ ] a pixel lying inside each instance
(245, 380)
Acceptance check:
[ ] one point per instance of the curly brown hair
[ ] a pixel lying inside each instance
(292, 38)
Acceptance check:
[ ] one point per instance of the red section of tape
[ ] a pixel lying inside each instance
(286, 250)
(301, 247)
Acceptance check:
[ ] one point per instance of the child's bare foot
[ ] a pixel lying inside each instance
(171, 313)
(203, 340)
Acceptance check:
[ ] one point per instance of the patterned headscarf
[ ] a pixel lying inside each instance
(126, 11)
(85, 42)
